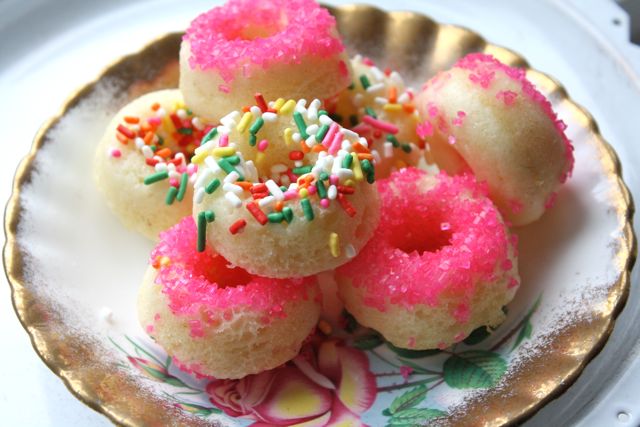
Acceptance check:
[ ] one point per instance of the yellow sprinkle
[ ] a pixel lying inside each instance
(303, 192)
(278, 104)
(325, 327)
(392, 107)
(288, 107)
(357, 170)
(178, 106)
(165, 260)
(259, 158)
(167, 124)
(288, 136)
(349, 183)
(224, 151)
(334, 245)
(199, 158)
(244, 122)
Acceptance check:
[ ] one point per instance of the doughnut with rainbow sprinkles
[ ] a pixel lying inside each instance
(291, 189)
(486, 117)
(441, 262)
(217, 320)
(284, 48)
(142, 162)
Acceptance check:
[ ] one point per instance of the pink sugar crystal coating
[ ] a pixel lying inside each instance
(205, 283)
(483, 69)
(246, 33)
(410, 260)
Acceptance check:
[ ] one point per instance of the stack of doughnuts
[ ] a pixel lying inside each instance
(278, 159)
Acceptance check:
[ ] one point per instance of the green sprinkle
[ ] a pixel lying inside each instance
(406, 148)
(393, 140)
(307, 209)
(202, 231)
(234, 160)
(182, 190)
(324, 176)
(322, 191)
(153, 148)
(171, 195)
(160, 140)
(209, 216)
(252, 140)
(336, 118)
(322, 132)
(346, 162)
(228, 168)
(368, 169)
(283, 188)
(369, 112)
(288, 214)
(212, 186)
(209, 136)
(323, 113)
(302, 126)
(352, 86)
(189, 112)
(275, 217)
(185, 131)
(353, 119)
(365, 81)
(158, 176)
(301, 170)
(256, 126)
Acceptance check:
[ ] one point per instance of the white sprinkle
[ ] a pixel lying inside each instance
(209, 145)
(349, 133)
(203, 177)
(224, 130)
(312, 113)
(171, 167)
(376, 157)
(378, 87)
(337, 163)
(197, 123)
(181, 113)
(233, 199)
(275, 190)
(396, 78)
(312, 129)
(388, 150)
(212, 164)
(346, 145)
(199, 196)
(251, 172)
(357, 58)
(344, 174)
(279, 168)
(227, 186)
(300, 105)
(181, 156)
(332, 192)
(174, 174)
(192, 179)
(350, 251)
(230, 119)
(404, 98)
(266, 201)
(284, 180)
(381, 100)
(325, 120)
(296, 137)
(232, 177)
(377, 73)
(311, 141)
(269, 117)
(161, 112)
(256, 111)
(363, 141)
(147, 152)
(160, 166)
(298, 163)
(139, 142)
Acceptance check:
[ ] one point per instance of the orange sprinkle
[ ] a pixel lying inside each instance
(246, 109)
(122, 138)
(132, 120)
(362, 156)
(155, 106)
(393, 95)
(148, 138)
(246, 186)
(145, 127)
(279, 205)
(165, 152)
(409, 108)
(318, 148)
(359, 148)
(304, 147)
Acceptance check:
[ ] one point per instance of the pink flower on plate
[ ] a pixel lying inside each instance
(327, 384)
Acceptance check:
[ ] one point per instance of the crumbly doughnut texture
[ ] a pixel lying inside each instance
(441, 263)
(281, 48)
(486, 117)
(220, 321)
(384, 94)
(121, 168)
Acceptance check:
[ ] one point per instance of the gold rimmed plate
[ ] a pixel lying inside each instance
(74, 270)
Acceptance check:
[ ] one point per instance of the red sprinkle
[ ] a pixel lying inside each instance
(259, 188)
(296, 155)
(260, 102)
(257, 213)
(237, 226)
(348, 208)
(125, 131)
(345, 189)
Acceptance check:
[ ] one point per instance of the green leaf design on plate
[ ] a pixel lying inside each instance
(474, 369)
(176, 382)
(197, 409)
(477, 336)
(412, 354)
(414, 417)
(408, 399)
(367, 342)
(350, 323)
(527, 328)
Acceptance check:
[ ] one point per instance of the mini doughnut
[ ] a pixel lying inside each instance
(385, 97)
(286, 48)
(441, 262)
(291, 190)
(218, 320)
(141, 163)
(485, 116)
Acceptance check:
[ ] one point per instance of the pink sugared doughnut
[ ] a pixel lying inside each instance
(282, 48)
(440, 264)
(484, 116)
(219, 320)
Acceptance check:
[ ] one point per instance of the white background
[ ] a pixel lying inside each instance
(49, 48)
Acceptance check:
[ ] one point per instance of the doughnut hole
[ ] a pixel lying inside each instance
(440, 264)
(217, 319)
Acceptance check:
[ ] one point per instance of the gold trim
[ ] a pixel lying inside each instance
(365, 28)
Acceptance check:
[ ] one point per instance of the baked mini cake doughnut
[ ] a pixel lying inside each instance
(440, 264)
(141, 163)
(379, 106)
(217, 320)
(284, 48)
(291, 190)
(485, 116)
